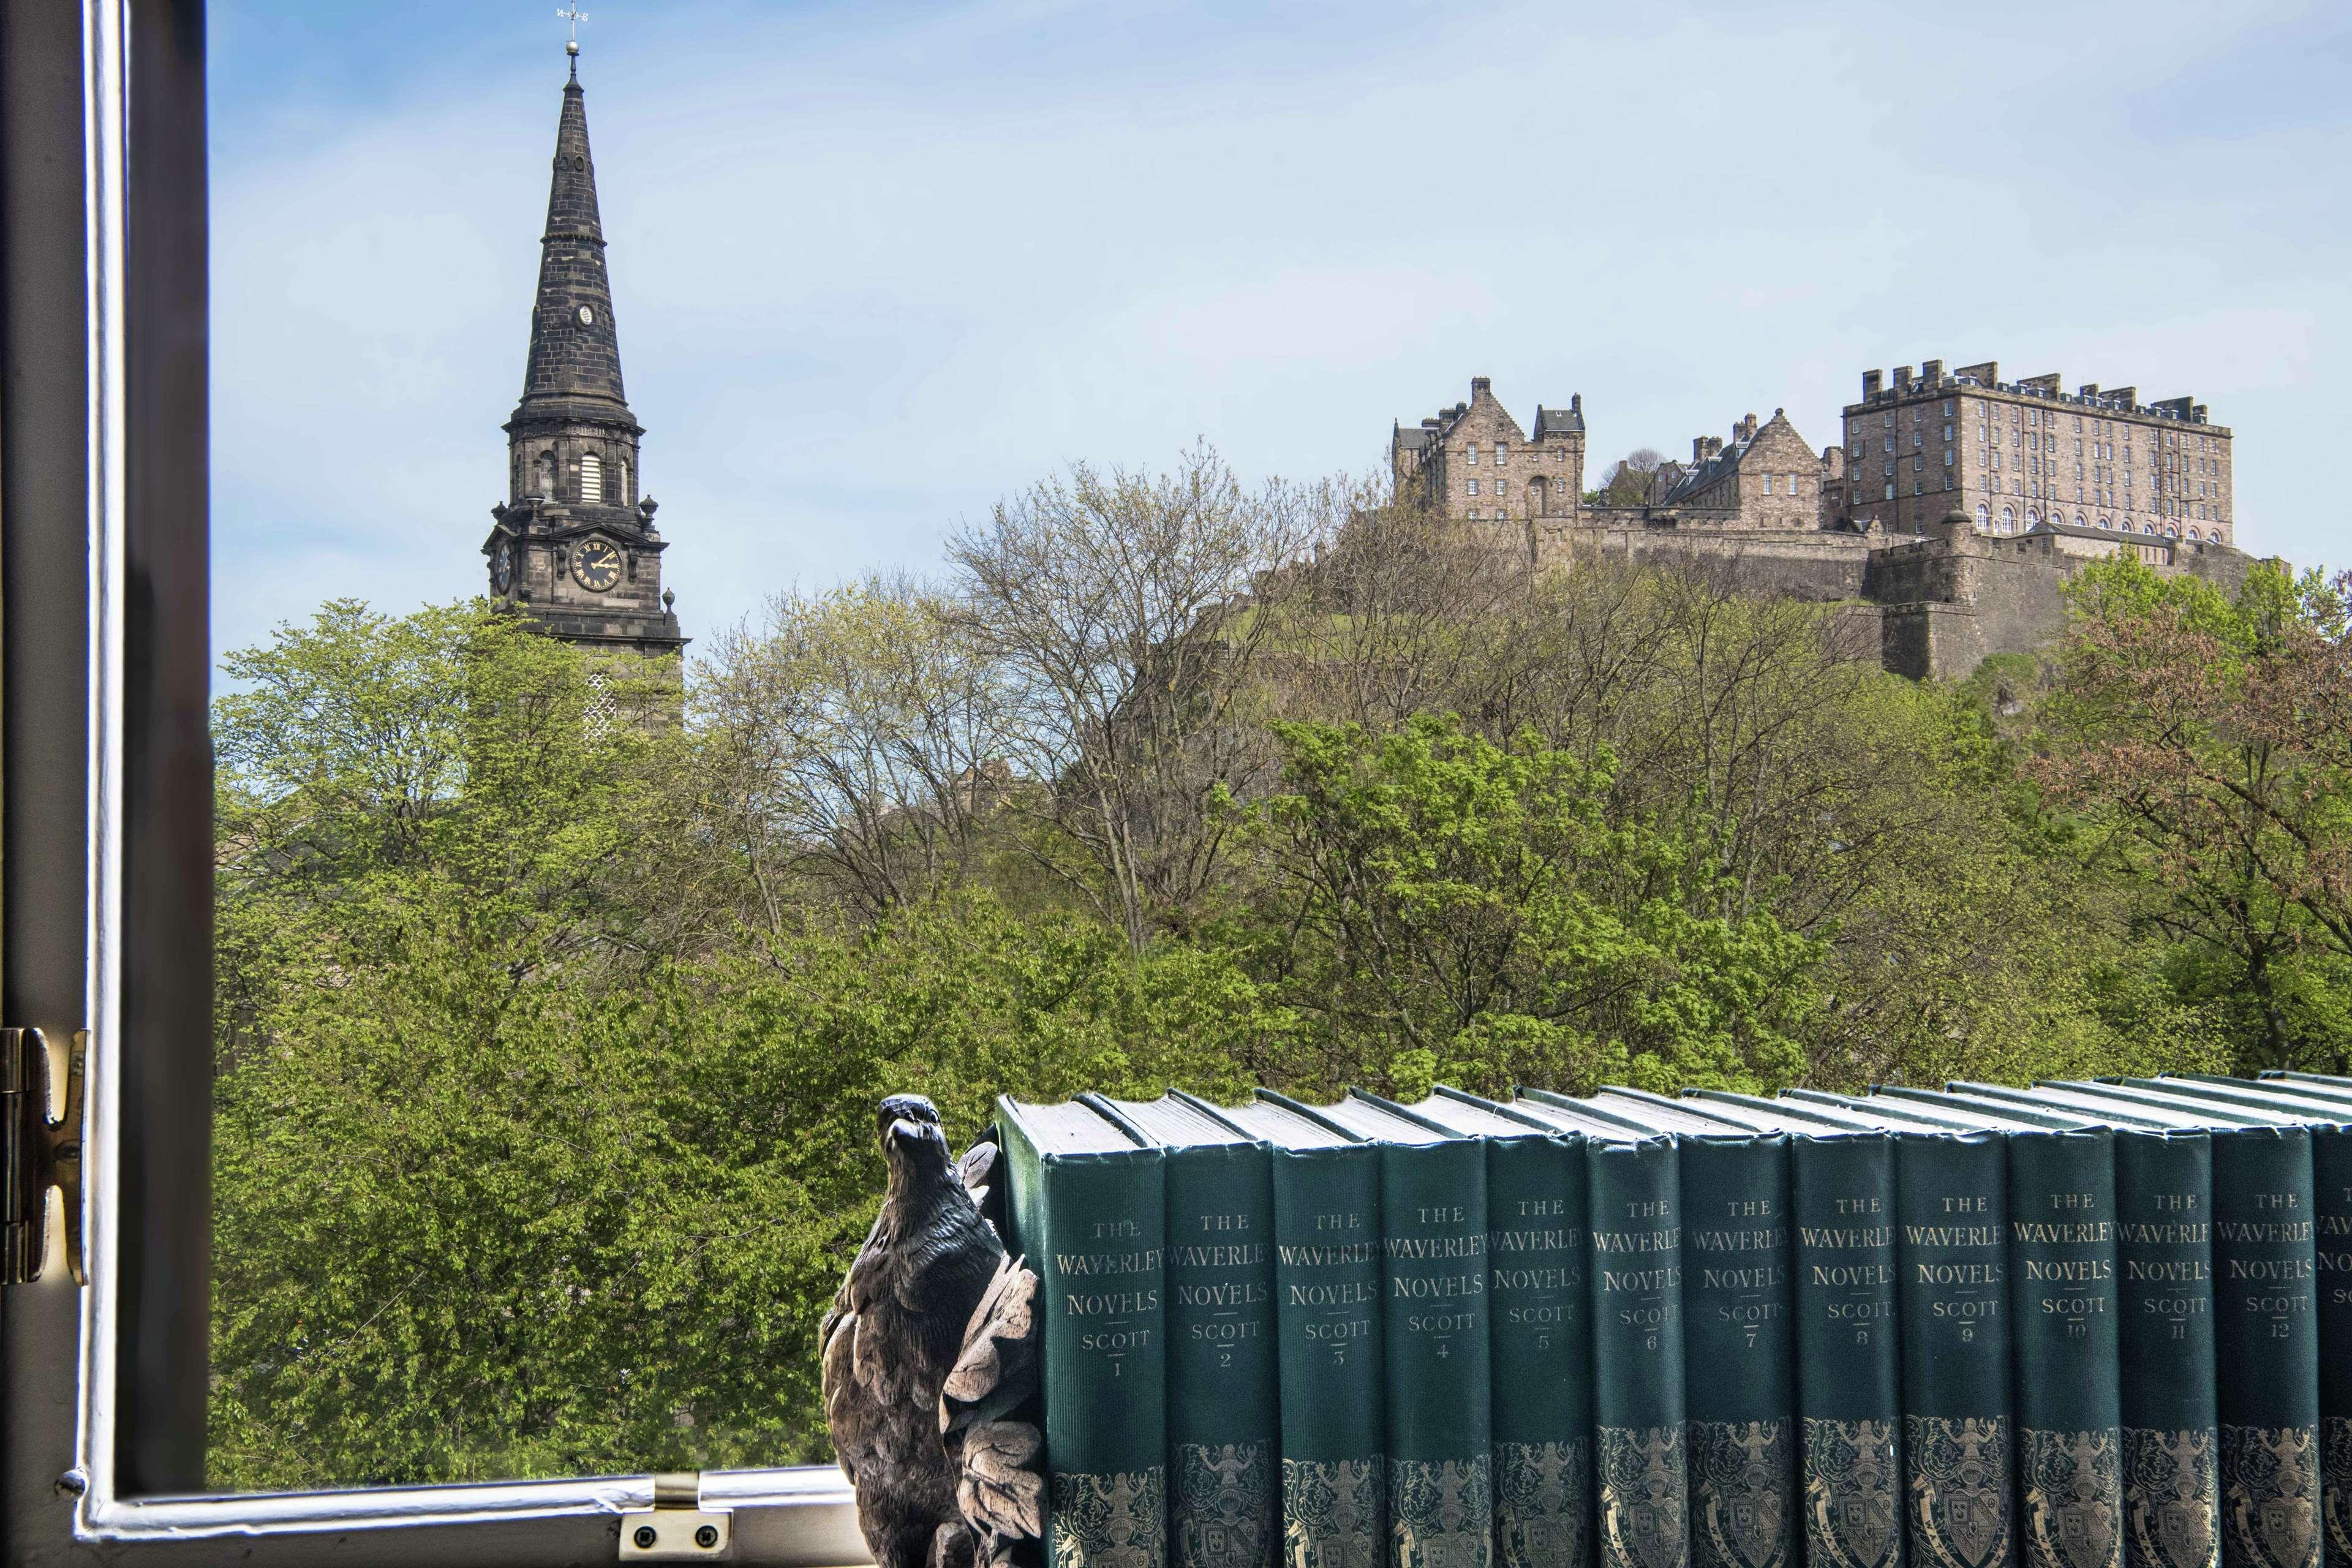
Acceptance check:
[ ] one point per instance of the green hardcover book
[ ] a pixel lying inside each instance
(2064, 1338)
(1849, 1395)
(2164, 1200)
(2323, 1115)
(1225, 1429)
(1327, 1291)
(1540, 1330)
(1440, 1377)
(1089, 1204)
(2266, 1338)
(1739, 1331)
(2331, 1160)
(1634, 1192)
(1951, 1207)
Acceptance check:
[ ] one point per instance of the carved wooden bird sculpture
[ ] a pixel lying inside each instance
(929, 1344)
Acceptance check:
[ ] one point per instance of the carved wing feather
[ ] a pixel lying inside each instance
(974, 1169)
(844, 1414)
(998, 1489)
(1000, 1339)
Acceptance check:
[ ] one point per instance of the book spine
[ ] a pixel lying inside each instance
(2164, 1247)
(1440, 1374)
(1223, 1403)
(1740, 1349)
(2267, 1344)
(2063, 1326)
(1538, 1260)
(1959, 1459)
(1326, 1280)
(1094, 1226)
(1848, 1395)
(1637, 1353)
(2331, 1158)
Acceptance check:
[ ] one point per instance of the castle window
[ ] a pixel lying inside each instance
(1501, 452)
(1474, 452)
(2008, 520)
(1474, 486)
(1768, 484)
(1498, 484)
(591, 476)
(1984, 517)
(1890, 492)
(543, 476)
(2105, 523)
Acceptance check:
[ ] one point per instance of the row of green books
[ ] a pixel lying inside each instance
(2080, 1325)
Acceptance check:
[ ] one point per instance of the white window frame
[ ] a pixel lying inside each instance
(64, 1340)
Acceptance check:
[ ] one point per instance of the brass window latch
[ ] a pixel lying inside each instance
(38, 1153)
(678, 1528)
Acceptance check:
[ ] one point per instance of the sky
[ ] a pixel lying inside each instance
(875, 266)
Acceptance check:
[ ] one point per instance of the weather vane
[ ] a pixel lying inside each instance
(573, 16)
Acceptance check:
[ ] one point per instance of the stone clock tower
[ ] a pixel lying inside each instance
(574, 545)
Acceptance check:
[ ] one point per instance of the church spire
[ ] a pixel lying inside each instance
(575, 547)
(573, 368)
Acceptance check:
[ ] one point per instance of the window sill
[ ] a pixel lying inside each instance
(803, 1514)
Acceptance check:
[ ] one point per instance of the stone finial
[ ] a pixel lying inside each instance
(669, 599)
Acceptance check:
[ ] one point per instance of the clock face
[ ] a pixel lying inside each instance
(502, 567)
(596, 563)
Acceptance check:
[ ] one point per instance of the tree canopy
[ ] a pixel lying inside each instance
(556, 991)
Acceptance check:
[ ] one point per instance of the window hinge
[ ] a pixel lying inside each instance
(678, 1528)
(38, 1152)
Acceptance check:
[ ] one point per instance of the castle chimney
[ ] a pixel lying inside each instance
(1901, 378)
(2088, 392)
(1698, 449)
(1745, 430)
(1931, 371)
(1871, 379)
(1479, 383)
(1429, 424)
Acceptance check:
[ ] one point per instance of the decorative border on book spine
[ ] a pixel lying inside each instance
(2172, 1499)
(2072, 1484)
(1644, 1501)
(1743, 1484)
(1543, 1505)
(1957, 1483)
(2335, 1484)
(1223, 1515)
(1114, 1521)
(1441, 1514)
(1331, 1512)
(2270, 1495)
(1850, 1518)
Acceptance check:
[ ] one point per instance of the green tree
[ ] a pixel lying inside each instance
(1432, 904)
(2206, 743)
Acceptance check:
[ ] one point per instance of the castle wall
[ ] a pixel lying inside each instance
(1795, 563)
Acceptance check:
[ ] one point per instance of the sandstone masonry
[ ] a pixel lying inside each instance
(1934, 517)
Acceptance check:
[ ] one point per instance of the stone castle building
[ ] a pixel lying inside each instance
(1953, 514)
(2026, 455)
(573, 545)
